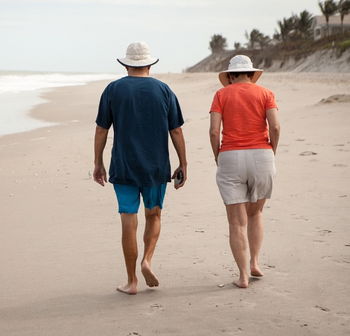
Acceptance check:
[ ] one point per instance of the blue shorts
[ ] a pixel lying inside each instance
(128, 197)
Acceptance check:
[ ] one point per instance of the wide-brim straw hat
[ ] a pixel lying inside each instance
(138, 55)
(239, 63)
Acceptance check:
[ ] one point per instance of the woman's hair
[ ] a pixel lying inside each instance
(234, 75)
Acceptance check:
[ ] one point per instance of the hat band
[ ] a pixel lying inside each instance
(240, 66)
(138, 57)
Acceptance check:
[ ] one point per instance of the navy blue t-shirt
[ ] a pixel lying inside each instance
(142, 111)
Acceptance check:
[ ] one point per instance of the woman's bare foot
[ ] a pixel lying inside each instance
(242, 282)
(256, 271)
(151, 279)
(130, 288)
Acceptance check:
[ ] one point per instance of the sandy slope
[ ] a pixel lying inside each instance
(60, 252)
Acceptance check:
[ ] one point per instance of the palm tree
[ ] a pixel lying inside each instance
(286, 27)
(237, 46)
(328, 8)
(253, 37)
(217, 43)
(303, 24)
(343, 9)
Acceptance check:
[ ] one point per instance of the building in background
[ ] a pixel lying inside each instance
(319, 25)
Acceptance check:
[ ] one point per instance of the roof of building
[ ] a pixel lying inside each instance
(333, 20)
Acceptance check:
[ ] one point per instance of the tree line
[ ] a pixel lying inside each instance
(294, 28)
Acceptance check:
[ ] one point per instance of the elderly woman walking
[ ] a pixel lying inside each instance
(245, 158)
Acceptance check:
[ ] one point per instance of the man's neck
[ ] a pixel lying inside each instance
(138, 72)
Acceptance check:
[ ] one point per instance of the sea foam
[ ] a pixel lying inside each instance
(19, 92)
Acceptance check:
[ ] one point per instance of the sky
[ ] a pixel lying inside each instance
(88, 35)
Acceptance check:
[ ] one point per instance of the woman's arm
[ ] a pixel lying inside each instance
(214, 133)
(274, 128)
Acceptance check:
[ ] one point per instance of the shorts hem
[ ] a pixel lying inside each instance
(157, 205)
(254, 200)
(236, 201)
(128, 212)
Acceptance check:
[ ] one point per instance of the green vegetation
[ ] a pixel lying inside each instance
(344, 45)
(294, 35)
(217, 43)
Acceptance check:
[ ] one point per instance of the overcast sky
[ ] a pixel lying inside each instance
(87, 35)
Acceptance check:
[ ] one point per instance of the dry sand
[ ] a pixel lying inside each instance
(60, 254)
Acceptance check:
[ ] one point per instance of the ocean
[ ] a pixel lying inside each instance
(20, 91)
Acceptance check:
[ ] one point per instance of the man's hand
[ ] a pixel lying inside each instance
(100, 175)
(184, 171)
(180, 147)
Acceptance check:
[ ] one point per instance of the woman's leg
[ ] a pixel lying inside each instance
(255, 234)
(238, 221)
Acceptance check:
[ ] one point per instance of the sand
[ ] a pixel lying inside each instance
(60, 252)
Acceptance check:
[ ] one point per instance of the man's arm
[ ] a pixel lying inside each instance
(274, 128)
(100, 175)
(214, 133)
(179, 144)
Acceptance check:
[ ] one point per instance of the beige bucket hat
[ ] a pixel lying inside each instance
(138, 55)
(239, 63)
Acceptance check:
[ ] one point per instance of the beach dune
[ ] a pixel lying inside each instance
(60, 251)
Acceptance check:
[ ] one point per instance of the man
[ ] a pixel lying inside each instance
(143, 111)
(245, 158)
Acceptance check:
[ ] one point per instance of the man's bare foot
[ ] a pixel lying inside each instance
(151, 279)
(130, 289)
(256, 271)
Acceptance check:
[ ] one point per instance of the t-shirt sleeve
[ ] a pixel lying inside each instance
(216, 105)
(270, 101)
(175, 118)
(104, 116)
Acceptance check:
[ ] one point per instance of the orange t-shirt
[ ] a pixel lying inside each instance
(243, 107)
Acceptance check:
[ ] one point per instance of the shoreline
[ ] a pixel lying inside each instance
(21, 92)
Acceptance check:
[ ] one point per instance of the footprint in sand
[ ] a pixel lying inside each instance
(307, 153)
(325, 309)
(340, 260)
(301, 218)
(266, 266)
(339, 165)
(337, 98)
(156, 306)
(324, 232)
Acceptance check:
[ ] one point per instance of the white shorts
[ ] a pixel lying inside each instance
(245, 175)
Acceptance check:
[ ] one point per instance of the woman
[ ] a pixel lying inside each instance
(245, 159)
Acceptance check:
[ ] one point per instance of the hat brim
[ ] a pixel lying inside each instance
(137, 64)
(223, 77)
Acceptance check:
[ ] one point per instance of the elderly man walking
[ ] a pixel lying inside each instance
(245, 158)
(143, 111)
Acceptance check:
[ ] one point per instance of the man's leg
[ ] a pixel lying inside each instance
(129, 242)
(237, 218)
(150, 238)
(255, 234)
